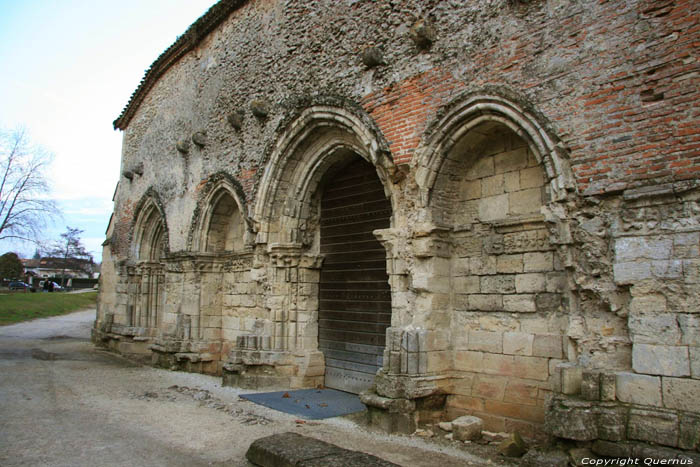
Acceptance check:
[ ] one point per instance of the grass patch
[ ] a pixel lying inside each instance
(18, 307)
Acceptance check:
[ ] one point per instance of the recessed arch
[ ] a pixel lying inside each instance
(220, 222)
(465, 114)
(149, 232)
(319, 138)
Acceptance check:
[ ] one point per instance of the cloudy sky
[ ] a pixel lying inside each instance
(68, 69)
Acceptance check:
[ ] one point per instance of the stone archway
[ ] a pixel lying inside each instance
(314, 147)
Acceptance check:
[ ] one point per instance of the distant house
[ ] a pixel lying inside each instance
(54, 267)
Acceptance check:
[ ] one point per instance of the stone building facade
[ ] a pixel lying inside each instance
(486, 208)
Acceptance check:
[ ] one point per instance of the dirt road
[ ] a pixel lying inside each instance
(65, 403)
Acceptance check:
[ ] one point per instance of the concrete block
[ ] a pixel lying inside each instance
(653, 328)
(517, 343)
(525, 201)
(663, 360)
(638, 389)
(681, 393)
(653, 426)
(494, 207)
(485, 341)
(529, 283)
(521, 303)
(467, 428)
(628, 273)
(500, 284)
(548, 345)
(635, 248)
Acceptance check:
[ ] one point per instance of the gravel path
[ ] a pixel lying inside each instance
(65, 403)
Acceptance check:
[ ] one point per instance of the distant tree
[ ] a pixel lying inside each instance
(25, 206)
(37, 254)
(71, 253)
(11, 266)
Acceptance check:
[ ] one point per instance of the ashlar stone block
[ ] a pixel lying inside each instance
(467, 428)
(498, 284)
(485, 341)
(653, 426)
(548, 345)
(520, 303)
(493, 207)
(509, 264)
(525, 201)
(638, 389)
(681, 393)
(486, 302)
(531, 178)
(538, 261)
(631, 272)
(654, 328)
(665, 360)
(529, 283)
(492, 186)
(635, 248)
(517, 343)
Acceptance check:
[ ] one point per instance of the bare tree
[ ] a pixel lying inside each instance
(71, 253)
(25, 207)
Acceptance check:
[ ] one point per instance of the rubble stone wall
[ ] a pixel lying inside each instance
(541, 162)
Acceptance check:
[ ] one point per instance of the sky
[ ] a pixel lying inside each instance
(68, 68)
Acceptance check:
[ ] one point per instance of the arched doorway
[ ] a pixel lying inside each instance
(355, 297)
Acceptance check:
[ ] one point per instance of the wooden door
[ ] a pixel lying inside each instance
(355, 300)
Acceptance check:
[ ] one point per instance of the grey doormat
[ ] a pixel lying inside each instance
(311, 404)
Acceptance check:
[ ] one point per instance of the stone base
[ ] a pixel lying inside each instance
(402, 415)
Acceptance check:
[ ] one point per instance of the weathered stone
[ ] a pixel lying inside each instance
(467, 428)
(590, 385)
(199, 138)
(529, 283)
(292, 449)
(445, 426)
(638, 389)
(629, 273)
(689, 427)
(260, 108)
(544, 458)
(372, 56)
(423, 33)
(513, 446)
(681, 393)
(652, 327)
(521, 303)
(653, 426)
(571, 420)
(608, 384)
(609, 449)
(547, 345)
(571, 377)
(634, 248)
(517, 343)
(612, 422)
(235, 119)
(581, 456)
(663, 360)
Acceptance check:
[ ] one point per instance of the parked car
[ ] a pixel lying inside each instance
(17, 285)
